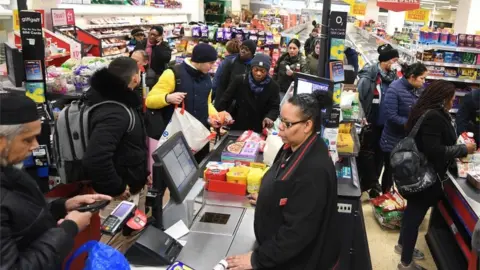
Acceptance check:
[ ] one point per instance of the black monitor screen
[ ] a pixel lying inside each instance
(175, 167)
(306, 86)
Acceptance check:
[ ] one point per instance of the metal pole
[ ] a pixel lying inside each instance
(324, 48)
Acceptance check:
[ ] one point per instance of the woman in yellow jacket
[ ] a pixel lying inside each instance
(194, 88)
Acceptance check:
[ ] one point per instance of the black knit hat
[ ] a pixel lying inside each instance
(252, 45)
(137, 31)
(261, 60)
(387, 52)
(17, 110)
(204, 53)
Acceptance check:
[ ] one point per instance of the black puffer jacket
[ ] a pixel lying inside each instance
(230, 70)
(29, 235)
(115, 158)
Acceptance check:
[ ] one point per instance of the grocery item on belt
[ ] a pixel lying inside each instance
(464, 138)
(179, 266)
(241, 151)
(238, 175)
(254, 179)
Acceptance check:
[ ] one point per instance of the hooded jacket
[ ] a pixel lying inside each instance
(468, 116)
(230, 70)
(366, 85)
(312, 63)
(218, 74)
(30, 237)
(250, 109)
(115, 158)
(399, 100)
(281, 70)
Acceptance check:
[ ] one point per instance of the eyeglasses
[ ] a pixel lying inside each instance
(291, 124)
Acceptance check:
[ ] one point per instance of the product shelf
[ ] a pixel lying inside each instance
(452, 79)
(442, 64)
(451, 48)
(100, 9)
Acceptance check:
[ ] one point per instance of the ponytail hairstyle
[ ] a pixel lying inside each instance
(311, 105)
(415, 70)
(433, 97)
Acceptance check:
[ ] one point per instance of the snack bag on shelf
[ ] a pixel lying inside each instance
(468, 73)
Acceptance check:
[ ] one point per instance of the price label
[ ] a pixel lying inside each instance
(75, 50)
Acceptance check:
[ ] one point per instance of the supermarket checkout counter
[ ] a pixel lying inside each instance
(222, 224)
(452, 223)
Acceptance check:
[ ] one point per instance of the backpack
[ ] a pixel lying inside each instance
(71, 136)
(411, 170)
(156, 120)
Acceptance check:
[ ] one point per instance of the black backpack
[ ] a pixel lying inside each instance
(411, 170)
(156, 120)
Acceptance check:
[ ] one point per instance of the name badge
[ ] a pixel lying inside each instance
(283, 201)
(376, 101)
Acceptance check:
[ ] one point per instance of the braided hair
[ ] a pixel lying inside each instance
(310, 105)
(434, 96)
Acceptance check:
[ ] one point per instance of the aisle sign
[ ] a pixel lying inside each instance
(338, 24)
(399, 5)
(417, 15)
(358, 9)
(63, 16)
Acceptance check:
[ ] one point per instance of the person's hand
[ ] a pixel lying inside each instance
(289, 72)
(253, 198)
(471, 147)
(240, 262)
(80, 200)
(267, 123)
(176, 98)
(214, 123)
(125, 195)
(149, 180)
(82, 219)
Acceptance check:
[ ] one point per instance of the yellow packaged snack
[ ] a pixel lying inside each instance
(344, 143)
(254, 180)
(238, 175)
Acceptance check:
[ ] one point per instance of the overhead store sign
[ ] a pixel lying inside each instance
(399, 5)
(63, 16)
(417, 15)
(358, 9)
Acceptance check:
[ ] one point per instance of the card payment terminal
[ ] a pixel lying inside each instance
(119, 216)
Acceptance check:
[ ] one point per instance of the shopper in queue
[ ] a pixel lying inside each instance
(195, 91)
(233, 48)
(116, 158)
(399, 100)
(290, 62)
(296, 218)
(239, 66)
(138, 36)
(311, 41)
(468, 116)
(436, 139)
(312, 59)
(157, 48)
(373, 83)
(34, 234)
(147, 73)
(254, 97)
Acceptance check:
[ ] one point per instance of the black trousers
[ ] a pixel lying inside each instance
(387, 179)
(371, 158)
(413, 217)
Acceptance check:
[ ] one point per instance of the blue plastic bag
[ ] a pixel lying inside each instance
(100, 257)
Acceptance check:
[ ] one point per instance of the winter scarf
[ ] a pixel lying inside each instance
(257, 87)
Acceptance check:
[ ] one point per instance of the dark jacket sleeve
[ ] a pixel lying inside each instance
(365, 94)
(433, 147)
(108, 128)
(391, 106)
(229, 95)
(273, 103)
(302, 216)
(44, 253)
(57, 207)
(462, 118)
(161, 56)
(223, 82)
(151, 78)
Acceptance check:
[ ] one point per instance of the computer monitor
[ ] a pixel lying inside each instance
(306, 84)
(175, 167)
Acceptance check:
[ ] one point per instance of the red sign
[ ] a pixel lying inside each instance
(42, 12)
(63, 17)
(399, 5)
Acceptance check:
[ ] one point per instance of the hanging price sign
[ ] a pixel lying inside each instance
(358, 9)
(76, 50)
(417, 15)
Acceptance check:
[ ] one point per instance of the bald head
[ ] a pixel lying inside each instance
(140, 56)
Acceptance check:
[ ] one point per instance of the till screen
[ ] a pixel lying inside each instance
(305, 86)
(178, 163)
(121, 210)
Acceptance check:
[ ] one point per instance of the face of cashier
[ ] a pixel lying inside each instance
(18, 141)
(299, 116)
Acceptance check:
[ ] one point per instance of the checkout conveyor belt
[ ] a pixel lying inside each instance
(232, 231)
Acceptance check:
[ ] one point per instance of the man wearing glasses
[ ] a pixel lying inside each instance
(253, 98)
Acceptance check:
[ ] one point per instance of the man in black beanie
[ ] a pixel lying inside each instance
(188, 81)
(239, 66)
(373, 83)
(34, 234)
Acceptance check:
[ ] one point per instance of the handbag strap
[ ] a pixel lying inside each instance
(85, 247)
(414, 131)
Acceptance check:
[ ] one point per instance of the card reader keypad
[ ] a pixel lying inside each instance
(110, 224)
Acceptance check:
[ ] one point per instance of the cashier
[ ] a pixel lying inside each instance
(296, 214)
(468, 117)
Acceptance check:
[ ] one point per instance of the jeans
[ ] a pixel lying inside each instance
(413, 216)
(387, 179)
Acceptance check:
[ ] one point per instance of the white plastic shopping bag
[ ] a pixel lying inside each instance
(196, 134)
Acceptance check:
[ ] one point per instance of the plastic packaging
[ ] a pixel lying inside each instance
(272, 146)
(222, 265)
(254, 180)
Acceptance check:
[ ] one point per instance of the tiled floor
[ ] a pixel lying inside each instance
(381, 242)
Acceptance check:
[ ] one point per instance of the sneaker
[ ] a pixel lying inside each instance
(411, 266)
(417, 254)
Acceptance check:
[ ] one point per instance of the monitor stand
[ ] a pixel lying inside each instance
(188, 209)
